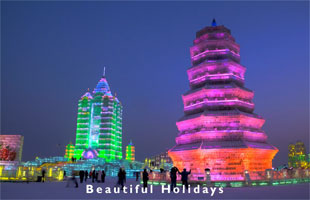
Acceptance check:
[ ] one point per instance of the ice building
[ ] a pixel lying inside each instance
(99, 124)
(219, 130)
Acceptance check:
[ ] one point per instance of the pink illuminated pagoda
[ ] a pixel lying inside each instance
(219, 130)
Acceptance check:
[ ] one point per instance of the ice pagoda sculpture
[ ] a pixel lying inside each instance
(130, 152)
(219, 130)
(99, 124)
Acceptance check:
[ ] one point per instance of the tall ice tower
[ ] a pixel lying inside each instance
(219, 130)
(99, 124)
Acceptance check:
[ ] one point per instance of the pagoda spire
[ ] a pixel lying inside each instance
(103, 86)
(103, 72)
(214, 22)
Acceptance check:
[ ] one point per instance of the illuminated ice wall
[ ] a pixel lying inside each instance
(219, 130)
(99, 124)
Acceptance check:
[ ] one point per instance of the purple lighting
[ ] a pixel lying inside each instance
(219, 130)
(90, 153)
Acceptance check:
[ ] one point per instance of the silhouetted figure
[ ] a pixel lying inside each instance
(137, 176)
(173, 177)
(65, 174)
(90, 174)
(145, 177)
(121, 177)
(97, 174)
(124, 175)
(93, 176)
(43, 175)
(184, 177)
(81, 174)
(86, 175)
(72, 159)
(102, 176)
(73, 179)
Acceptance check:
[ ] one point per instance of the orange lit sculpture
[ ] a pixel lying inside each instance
(219, 130)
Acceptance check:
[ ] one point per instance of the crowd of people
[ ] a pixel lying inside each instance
(95, 176)
(99, 176)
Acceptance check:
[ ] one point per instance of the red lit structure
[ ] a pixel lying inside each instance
(219, 130)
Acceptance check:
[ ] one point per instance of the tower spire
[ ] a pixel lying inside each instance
(214, 22)
(103, 71)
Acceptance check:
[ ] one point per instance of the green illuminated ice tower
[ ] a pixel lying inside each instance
(99, 124)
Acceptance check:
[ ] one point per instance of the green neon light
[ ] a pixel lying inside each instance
(99, 124)
(275, 183)
(155, 183)
(236, 184)
(263, 183)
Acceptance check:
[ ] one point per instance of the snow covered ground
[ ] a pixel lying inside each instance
(58, 190)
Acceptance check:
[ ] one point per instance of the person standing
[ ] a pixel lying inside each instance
(97, 174)
(184, 177)
(43, 175)
(120, 178)
(86, 175)
(65, 174)
(173, 177)
(102, 176)
(145, 177)
(124, 175)
(81, 174)
(90, 174)
(93, 176)
(137, 176)
(73, 180)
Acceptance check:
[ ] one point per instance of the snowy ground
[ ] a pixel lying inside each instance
(58, 190)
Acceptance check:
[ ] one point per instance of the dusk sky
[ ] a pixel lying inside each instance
(53, 51)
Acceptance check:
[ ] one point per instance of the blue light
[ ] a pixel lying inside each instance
(214, 22)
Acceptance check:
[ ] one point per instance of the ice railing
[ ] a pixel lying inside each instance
(266, 175)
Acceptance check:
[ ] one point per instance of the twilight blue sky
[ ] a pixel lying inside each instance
(53, 51)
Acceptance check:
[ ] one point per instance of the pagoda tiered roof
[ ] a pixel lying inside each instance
(215, 62)
(207, 113)
(229, 144)
(217, 86)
